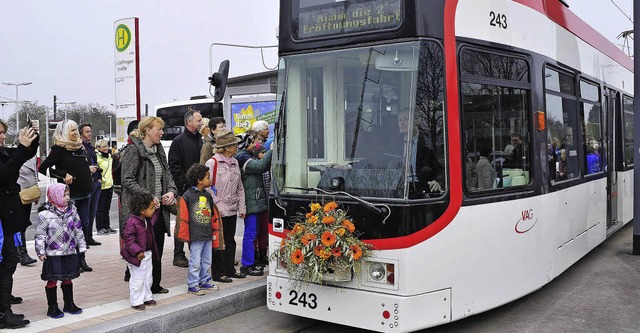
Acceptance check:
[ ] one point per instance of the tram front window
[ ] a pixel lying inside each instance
(353, 124)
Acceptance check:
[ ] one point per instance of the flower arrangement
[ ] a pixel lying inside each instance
(323, 241)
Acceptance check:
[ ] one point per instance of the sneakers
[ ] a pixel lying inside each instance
(252, 270)
(107, 231)
(196, 291)
(209, 286)
(180, 262)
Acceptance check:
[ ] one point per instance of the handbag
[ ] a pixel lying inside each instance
(30, 195)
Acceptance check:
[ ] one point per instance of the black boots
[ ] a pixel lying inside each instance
(25, 260)
(53, 310)
(84, 267)
(67, 295)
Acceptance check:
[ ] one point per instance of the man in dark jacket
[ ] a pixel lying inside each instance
(183, 153)
(89, 151)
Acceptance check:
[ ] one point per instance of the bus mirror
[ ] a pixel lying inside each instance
(219, 80)
(397, 62)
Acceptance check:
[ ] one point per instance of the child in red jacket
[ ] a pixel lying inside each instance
(139, 246)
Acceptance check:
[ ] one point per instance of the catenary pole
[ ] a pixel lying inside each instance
(636, 134)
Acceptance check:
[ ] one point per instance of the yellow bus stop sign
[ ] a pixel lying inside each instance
(123, 38)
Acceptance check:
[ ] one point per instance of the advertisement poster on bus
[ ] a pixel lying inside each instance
(245, 114)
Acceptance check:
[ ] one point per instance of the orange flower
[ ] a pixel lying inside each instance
(313, 219)
(297, 229)
(328, 238)
(349, 225)
(309, 214)
(297, 257)
(315, 206)
(328, 219)
(308, 238)
(340, 232)
(336, 251)
(321, 252)
(282, 244)
(357, 251)
(330, 206)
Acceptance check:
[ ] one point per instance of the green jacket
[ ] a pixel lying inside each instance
(251, 170)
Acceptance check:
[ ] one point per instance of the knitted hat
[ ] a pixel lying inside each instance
(245, 140)
(225, 138)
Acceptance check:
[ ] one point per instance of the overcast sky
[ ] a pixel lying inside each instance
(66, 48)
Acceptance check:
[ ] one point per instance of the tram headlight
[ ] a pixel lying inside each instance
(377, 271)
(337, 183)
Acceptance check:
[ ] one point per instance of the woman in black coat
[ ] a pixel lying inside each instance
(73, 169)
(12, 217)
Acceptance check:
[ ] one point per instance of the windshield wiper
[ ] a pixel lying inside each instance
(366, 204)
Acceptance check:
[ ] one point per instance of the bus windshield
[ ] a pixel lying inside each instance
(365, 133)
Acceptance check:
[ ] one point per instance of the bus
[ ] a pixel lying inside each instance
(524, 113)
(173, 115)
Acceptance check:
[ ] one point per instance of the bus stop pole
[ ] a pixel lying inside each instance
(636, 134)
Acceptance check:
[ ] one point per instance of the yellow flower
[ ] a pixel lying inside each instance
(315, 206)
(297, 257)
(330, 206)
(321, 252)
(328, 219)
(328, 238)
(313, 219)
(340, 232)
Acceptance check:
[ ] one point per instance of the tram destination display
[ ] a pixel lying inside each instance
(315, 19)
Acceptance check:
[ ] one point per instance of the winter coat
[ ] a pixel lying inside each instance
(74, 163)
(58, 233)
(137, 233)
(251, 170)
(229, 195)
(183, 153)
(486, 175)
(13, 217)
(138, 175)
(207, 149)
(106, 164)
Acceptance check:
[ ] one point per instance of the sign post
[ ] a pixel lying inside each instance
(127, 75)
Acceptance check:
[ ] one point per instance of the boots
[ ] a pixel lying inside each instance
(84, 267)
(25, 260)
(67, 295)
(263, 259)
(53, 310)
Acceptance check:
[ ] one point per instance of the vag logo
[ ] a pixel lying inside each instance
(526, 221)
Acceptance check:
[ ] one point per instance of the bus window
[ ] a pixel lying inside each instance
(562, 113)
(495, 119)
(628, 131)
(173, 114)
(592, 126)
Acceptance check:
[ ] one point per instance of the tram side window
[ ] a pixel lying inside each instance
(562, 120)
(628, 131)
(315, 113)
(592, 126)
(495, 120)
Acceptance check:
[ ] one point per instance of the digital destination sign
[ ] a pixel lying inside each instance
(346, 17)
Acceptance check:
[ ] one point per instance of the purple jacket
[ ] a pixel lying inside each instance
(230, 192)
(135, 238)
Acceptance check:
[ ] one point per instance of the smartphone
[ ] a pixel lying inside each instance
(29, 124)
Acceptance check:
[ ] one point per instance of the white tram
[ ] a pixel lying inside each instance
(522, 114)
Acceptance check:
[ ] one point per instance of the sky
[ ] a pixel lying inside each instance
(66, 47)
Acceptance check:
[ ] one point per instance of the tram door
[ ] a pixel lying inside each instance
(611, 109)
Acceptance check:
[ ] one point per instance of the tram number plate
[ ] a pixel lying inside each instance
(305, 299)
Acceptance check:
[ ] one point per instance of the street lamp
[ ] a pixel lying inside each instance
(17, 106)
(109, 116)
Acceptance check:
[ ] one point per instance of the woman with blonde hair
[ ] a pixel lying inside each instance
(145, 169)
(71, 168)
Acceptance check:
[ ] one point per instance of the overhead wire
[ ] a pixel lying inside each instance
(622, 11)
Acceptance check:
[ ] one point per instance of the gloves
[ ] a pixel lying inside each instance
(434, 186)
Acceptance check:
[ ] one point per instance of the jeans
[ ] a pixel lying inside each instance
(199, 263)
(248, 245)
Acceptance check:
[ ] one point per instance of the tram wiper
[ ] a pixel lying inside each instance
(384, 210)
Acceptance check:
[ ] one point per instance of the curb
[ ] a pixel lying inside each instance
(190, 313)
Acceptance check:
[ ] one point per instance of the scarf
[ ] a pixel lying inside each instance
(68, 144)
(55, 196)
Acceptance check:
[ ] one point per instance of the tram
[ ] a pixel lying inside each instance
(517, 119)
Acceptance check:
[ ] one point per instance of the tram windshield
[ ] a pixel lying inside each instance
(367, 121)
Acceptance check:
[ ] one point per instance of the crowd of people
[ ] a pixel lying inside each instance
(207, 179)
